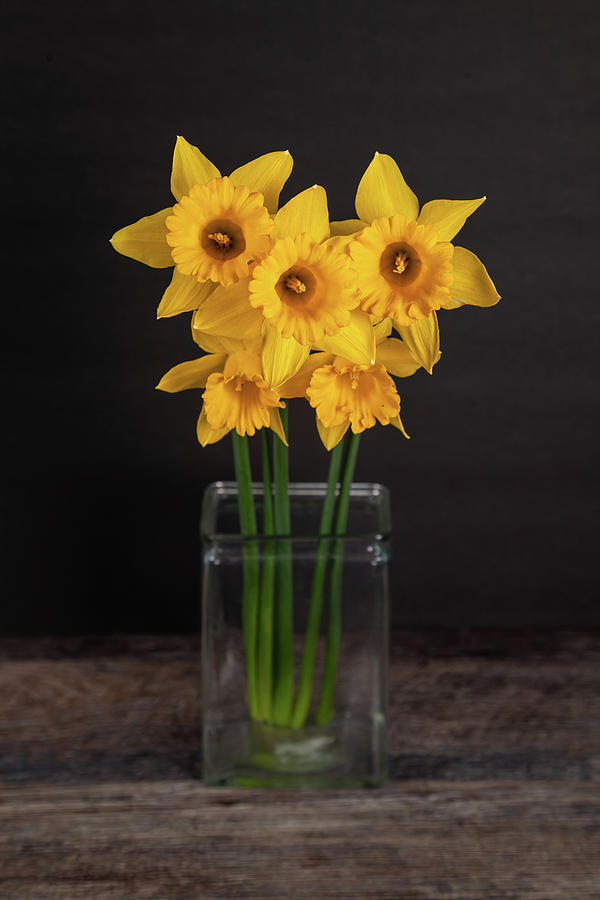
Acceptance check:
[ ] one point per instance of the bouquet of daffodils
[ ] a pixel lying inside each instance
(286, 303)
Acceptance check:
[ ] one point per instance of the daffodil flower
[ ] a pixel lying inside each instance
(236, 396)
(218, 231)
(215, 233)
(406, 265)
(304, 287)
(344, 395)
(347, 395)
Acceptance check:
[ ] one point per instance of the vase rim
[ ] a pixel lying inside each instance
(374, 494)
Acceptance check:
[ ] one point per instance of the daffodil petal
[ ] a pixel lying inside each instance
(252, 343)
(343, 232)
(382, 329)
(227, 313)
(340, 241)
(331, 436)
(206, 434)
(423, 340)
(267, 175)
(397, 423)
(397, 358)
(190, 167)
(281, 357)
(296, 386)
(211, 343)
(452, 304)
(305, 213)
(383, 191)
(276, 425)
(447, 217)
(184, 294)
(347, 226)
(355, 342)
(146, 240)
(472, 284)
(191, 374)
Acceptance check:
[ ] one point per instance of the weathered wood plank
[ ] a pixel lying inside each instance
(421, 840)
(466, 706)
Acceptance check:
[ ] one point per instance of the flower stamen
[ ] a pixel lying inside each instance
(355, 372)
(400, 263)
(222, 240)
(293, 283)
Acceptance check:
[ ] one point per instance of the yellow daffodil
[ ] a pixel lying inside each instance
(349, 395)
(216, 232)
(304, 287)
(343, 393)
(236, 396)
(406, 265)
(403, 270)
(239, 396)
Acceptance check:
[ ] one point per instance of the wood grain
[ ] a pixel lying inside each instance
(407, 841)
(495, 758)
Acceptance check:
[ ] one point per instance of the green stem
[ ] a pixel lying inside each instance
(265, 626)
(283, 694)
(243, 474)
(334, 629)
(305, 681)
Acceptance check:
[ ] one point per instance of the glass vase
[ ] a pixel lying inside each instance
(295, 678)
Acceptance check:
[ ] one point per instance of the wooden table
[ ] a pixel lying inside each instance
(495, 762)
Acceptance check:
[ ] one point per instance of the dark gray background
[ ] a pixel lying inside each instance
(495, 497)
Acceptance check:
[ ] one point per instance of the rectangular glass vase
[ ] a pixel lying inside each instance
(295, 634)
